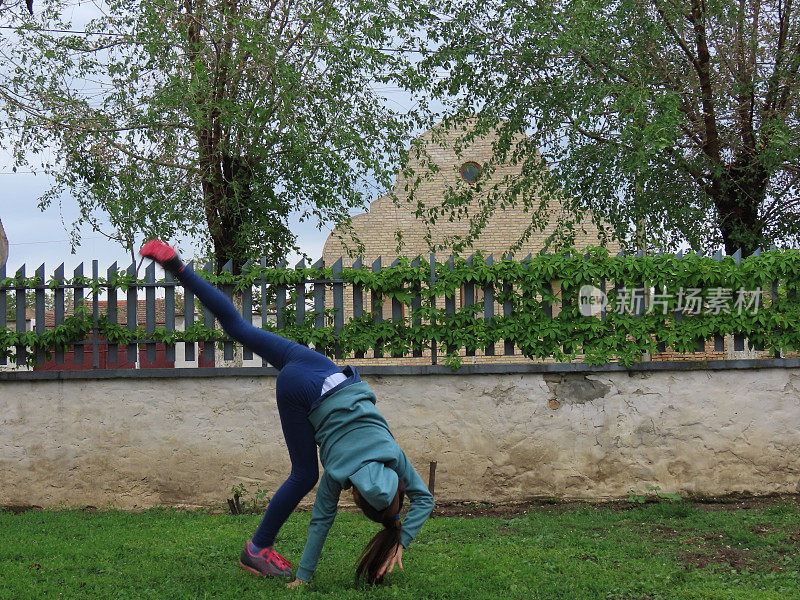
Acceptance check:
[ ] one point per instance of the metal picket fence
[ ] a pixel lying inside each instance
(137, 306)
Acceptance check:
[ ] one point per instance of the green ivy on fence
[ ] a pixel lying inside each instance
(524, 285)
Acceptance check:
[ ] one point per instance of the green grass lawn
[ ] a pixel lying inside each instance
(653, 551)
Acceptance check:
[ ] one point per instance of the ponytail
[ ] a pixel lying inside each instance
(385, 543)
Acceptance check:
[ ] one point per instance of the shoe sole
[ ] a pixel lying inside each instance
(256, 572)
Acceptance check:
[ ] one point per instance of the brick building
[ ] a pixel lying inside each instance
(452, 171)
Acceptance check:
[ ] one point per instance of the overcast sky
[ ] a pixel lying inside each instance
(36, 237)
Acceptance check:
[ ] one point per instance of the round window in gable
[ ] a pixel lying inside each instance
(470, 171)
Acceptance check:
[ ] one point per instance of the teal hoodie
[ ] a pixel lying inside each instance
(352, 436)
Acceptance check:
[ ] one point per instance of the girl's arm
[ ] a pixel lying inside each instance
(421, 500)
(322, 517)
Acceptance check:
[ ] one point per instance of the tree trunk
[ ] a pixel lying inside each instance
(226, 189)
(740, 192)
(233, 196)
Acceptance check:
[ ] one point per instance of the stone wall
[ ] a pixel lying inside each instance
(166, 440)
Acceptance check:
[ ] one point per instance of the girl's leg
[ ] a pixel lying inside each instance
(271, 347)
(299, 435)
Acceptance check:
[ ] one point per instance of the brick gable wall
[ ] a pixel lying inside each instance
(377, 229)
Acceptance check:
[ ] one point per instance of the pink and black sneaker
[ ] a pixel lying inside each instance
(163, 254)
(266, 562)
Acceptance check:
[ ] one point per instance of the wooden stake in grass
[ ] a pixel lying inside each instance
(233, 505)
(432, 476)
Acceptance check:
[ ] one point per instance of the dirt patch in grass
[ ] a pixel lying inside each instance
(744, 501)
(711, 551)
(487, 509)
(668, 533)
(762, 529)
(738, 559)
(18, 509)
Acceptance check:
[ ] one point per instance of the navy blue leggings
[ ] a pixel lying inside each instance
(302, 374)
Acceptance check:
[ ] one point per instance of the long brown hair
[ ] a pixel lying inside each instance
(384, 544)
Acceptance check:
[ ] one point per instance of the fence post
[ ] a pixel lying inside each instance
(416, 306)
(618, 285)
(719, 341)
(280, 299)
(450, 302)
(603, 305)
(77, 305)
(300, 296)
(21, 352)
(738, 338)
(39, 311)
(247, 307)
(358, 300)
(319, 305)
(58, 307)
(488, 305)
(227, 289)
(432, 283)
(188, 319)
(169, 313)
(508, 309)
(263, 264)
(150, 310)
(678, 314)
(95, 316)
(377, 308)
(545, 288)
(338, 307)
(469, 299)
(661, 345)
(209, 346)
(641, 303)
(131, 314)
(111, 291)
(737, 256)
(397, 312)
(700, 344)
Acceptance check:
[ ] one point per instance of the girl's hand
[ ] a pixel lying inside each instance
(394, 559)
(295, 583)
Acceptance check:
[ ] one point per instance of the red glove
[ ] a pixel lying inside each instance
(163, 254)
